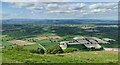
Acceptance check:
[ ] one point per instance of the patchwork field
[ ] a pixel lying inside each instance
(47, 37)
(21, 42)
(51, 35)
(8, 45)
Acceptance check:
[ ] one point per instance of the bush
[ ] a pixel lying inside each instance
(68, 50)
(33, 51)
(38, 51)
(54, 50)
(94, 49)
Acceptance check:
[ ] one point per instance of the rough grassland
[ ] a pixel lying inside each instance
(13, 56)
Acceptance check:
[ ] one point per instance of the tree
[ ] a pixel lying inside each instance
(41, 51)
(54, 50)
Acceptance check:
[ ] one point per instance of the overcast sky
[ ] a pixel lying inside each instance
(63, 10)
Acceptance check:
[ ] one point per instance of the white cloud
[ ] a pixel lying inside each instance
(21, 4)
(60, 0)
(78, 9)
(100, 10)
(103, 5)
(36, 0)
(18, 0)
(60, 11)
(67, 7)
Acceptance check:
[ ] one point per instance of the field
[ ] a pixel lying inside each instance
(75, 57)
(47, 36)
(21, 42)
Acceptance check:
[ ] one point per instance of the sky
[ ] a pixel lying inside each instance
(60, 10)
(60, 0)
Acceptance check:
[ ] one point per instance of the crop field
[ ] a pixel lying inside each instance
(48, 37)
(21, 43)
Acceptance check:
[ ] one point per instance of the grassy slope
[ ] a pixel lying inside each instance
(32, 47)
(47, 43)
(29, 47)
(75, 57)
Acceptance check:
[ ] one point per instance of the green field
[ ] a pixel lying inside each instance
(66, 32)
(29, 47)
(75, 57)
(32, 47)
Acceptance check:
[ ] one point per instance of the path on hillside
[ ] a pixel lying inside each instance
(42, 46)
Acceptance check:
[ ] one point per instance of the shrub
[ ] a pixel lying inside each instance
(38, 51)
(54, 50)
(33, 51)
(68, 50)
(94, 49)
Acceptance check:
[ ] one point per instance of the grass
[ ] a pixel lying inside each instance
(78, 46)
(115, 45)
(47, 43)
(32, 47)
(28, 47)
(6, 44)
(13, 56)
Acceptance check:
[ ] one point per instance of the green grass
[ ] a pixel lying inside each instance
(32, 47)
(13, 56)
(47, 43)
(6, 44)
(29, 47)
(115, 45)
(78, 46)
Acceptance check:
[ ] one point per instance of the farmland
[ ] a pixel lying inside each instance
(47, 36)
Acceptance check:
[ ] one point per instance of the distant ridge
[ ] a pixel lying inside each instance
(57, 21)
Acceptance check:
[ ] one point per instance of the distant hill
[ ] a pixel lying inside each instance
(58, 21)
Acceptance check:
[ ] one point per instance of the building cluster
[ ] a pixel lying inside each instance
(88, 42)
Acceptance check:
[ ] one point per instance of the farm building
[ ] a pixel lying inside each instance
(63, 44)
(88, 42)
(108, 39)
(100, 40)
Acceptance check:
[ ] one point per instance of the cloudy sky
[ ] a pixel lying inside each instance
(60, 10)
